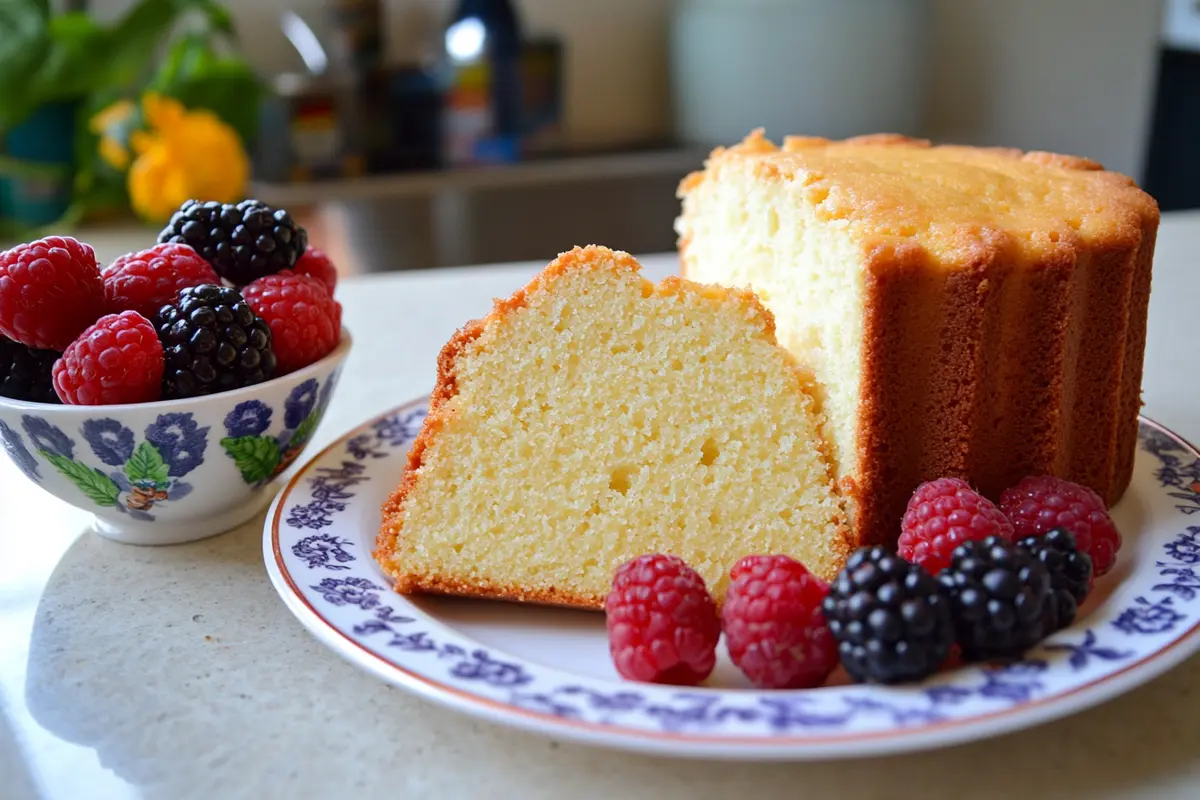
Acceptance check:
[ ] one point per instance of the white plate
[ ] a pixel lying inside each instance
(548, 671)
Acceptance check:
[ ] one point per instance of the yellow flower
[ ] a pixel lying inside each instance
(109, 124)
(183, 155)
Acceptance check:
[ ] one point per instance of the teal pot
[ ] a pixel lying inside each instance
(38, 166)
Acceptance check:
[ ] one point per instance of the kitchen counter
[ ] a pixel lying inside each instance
(175, 672)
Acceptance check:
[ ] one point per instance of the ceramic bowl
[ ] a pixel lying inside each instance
(175, 470)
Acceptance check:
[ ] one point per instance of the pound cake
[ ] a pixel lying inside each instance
(968, 312)
(593, 417)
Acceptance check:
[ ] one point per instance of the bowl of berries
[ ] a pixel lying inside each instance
(167, 390)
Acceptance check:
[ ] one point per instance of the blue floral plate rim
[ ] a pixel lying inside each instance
(321, 527)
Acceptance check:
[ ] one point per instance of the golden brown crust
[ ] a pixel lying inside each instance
(484, 589)
(590, 257)
(1007, 353)
(997, 369)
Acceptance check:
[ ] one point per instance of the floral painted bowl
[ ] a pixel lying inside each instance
(175, 470)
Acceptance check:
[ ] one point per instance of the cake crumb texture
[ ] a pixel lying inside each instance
(593, 417)
(968, 312)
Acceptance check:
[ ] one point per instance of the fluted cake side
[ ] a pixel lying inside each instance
(979, 313)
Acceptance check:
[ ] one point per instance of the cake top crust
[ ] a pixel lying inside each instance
(944, 197)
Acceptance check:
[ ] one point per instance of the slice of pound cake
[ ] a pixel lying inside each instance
(978, 313)
(593, 417)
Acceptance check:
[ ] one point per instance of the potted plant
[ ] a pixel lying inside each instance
(59, 71)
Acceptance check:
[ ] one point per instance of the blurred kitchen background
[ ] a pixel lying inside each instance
(426, 133)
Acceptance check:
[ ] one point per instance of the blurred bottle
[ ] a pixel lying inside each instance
(482, 58)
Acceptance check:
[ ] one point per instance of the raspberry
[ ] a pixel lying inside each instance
(150, 279)
(50, 290)
(774, 626)
(305, 321)
(1038, 505)
(662, 622)
(890, 618)
(941, 515)
(117, 360)
(315, 263)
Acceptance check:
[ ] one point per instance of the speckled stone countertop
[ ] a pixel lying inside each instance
(177, 672)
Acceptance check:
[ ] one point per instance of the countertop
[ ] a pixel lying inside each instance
(177, 672)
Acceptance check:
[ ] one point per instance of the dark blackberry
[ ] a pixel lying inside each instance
(1070, 571)
(243, 242)
(25, 372)
(890, 618)
(212, 342)
(1000, 597)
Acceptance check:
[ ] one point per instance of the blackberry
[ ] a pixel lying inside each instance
(212, 342)
(890, 618)
(243, 242)
(1070, 571)
(25, 372)
(1001, 598)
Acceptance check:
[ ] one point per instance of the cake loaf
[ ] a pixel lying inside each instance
(978, 313)
(594, 417)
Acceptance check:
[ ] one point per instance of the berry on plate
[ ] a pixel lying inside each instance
(774, 626)
(150, 279)
(316, 264)
(1001, 599)
(213, 342)
(117, 360)
(1037, 505)
(25, 372)
(50, 290)
(941, 515)
(890, 618)
(662, 622)
(243, 242)
(1070, 571)
(306, 322)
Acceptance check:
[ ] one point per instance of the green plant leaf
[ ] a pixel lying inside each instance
(23, 46)
(146, 465)
(197, 76)
(304, 430)
(256, 456)
(99, 488)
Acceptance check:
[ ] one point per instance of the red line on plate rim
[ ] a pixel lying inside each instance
(469, 698)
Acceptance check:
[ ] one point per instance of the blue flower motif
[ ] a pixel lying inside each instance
(111, 441)
(179, 440)
(48, 437)
(327, 390)
(349, 591)
(19, 455)
(1185, 549)
(1148, 618)
(250, 418)
(319, 549)
(299, 404)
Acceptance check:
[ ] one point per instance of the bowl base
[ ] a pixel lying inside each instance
(156, 533)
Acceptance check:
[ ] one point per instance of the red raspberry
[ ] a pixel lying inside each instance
(1038, 505)
(305, 321)
(150, 279)
(662, 622)
(774, 626)
(50, 290)
(943, 514)
(117, 360)
(315, 263)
